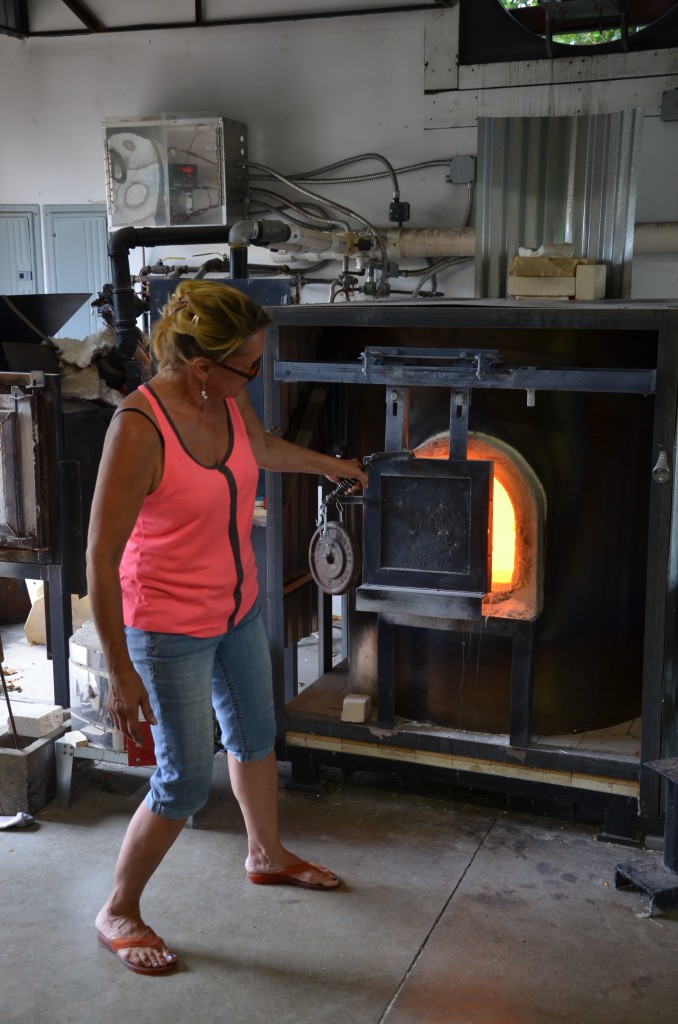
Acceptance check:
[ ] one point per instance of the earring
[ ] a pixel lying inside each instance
(203, 390)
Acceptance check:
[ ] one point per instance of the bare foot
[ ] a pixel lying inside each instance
(148, 955)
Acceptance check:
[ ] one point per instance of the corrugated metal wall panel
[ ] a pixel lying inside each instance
(557, 180)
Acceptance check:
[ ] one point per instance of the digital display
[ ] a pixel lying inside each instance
(182, 175)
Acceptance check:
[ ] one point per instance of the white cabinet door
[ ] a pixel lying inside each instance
(20, 250)
(76, 258)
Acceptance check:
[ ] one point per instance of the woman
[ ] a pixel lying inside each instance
(173, 592)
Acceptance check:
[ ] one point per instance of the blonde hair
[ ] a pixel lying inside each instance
(204, 318)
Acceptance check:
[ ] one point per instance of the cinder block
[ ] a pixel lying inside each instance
(356, 708)
(35, 720)
(27, 775)
(85, 648)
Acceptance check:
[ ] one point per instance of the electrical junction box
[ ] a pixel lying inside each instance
(669, 108)
(462, 170)
(174, 170)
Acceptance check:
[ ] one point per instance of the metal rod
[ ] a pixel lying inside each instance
(9, 709)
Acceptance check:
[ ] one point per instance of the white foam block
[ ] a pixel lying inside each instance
(356, 708)
(590, 282)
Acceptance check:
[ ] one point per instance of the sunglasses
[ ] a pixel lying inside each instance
(254, 370)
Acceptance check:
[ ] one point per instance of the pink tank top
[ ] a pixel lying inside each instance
(188, 566)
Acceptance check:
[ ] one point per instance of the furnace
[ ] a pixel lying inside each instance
(503, 679)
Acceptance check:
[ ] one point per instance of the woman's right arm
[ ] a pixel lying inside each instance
(130, 468)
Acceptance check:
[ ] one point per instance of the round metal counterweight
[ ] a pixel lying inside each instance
(334, 559)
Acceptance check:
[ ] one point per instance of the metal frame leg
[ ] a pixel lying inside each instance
(522, 656)
(385, 673)
(64, 754)
(59, 627)
(305, 772)
(324, 632)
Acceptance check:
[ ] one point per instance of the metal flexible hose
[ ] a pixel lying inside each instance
(469, 205)
(442, 265)
(418, 271)
(272, 271)
(307, 175)
(432, 268)
(342, 209)
(322, 218)
(389, 172)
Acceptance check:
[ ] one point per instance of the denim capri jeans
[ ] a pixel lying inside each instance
(185, 678)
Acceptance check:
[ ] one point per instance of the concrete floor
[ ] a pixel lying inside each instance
(450, 913)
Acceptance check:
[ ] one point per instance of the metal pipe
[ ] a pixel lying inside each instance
(257, 232)
(400, 243)
(656, 238)
(403, 243)
(238, 262)
(119, 244)
(10, 715)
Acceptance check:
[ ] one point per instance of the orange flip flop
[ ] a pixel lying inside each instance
(149, 939)
(290, 876)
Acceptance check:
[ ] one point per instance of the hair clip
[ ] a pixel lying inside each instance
(195, 320)
(179, 304)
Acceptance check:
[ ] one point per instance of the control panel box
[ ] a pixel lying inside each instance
(174, 170)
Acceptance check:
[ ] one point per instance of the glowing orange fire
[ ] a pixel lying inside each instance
(503, 537)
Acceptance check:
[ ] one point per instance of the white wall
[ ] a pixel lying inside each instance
(311, 93)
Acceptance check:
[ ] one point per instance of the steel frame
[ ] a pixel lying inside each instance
(311, 743)
(54, 563)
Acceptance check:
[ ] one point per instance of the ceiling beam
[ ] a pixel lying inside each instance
(264, 19)
(84, 15)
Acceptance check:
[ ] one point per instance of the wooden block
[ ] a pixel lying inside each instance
(590, 282)
(76, 738)
(542, 287)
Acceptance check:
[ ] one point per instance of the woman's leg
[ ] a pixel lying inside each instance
(176, 672)
(242, 693)
(146, 842)
(255, 784)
